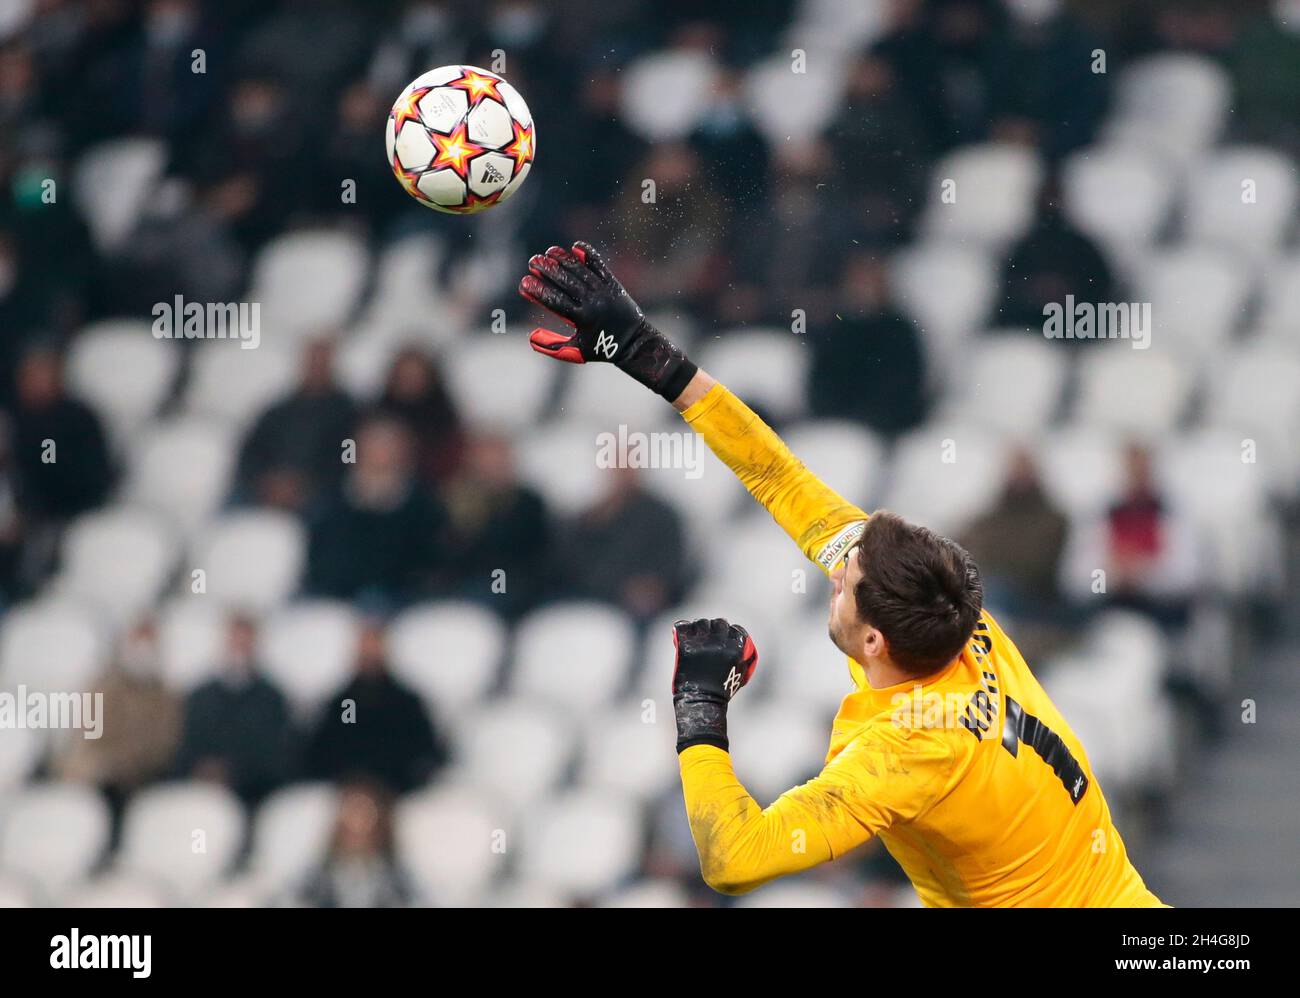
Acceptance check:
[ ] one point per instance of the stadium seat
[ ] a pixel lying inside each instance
(52, 645)
(559, 460)
(840, 27)
(191, 641)
(1218, 212)
(452, 843)
(21, 750)
(15, 893)
(629, 749)
(768, 368)
(843, 453)
(969, 281)
(1092, 715)
(449, 652)
(591, 644)
(783, 744)
(1081, 468)
(795, 107)
(1118, 195)
(514, 748)
(515, 893)
(705, 492)
(1142, 393)
(582, 843)
(309, 648)
(309, 282)
(186, 835)
(124, 373)
(479, 368)
(1174, 104)
(252, 559)
(410, 302)
(235, 385)
(1280, 309)
(659, 893)
(811, 671)
(1197, 297)
(600, 394)
(1256, 389)
(945, 474)
(236, 892)
(1013, 384)
(290, 836)
(181, 469)
(119, 890)
(53, 834)
(111, 184)
(665, 93)
(362, 362)
(117, 559)
(995, 190)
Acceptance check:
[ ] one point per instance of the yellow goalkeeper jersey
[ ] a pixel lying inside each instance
(971, 778)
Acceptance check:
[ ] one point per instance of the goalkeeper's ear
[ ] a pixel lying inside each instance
(556, 345)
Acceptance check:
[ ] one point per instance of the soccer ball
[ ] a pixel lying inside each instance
(460, 139)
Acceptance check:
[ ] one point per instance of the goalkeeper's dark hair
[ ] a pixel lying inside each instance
(920, 590)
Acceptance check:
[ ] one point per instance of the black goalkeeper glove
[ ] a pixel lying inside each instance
(714, 660)
(609, 327)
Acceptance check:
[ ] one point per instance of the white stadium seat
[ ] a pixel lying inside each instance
(761, 568)
(995, 191)
(590, 644)
(945, 474)
(117, 559)
(661, 893)
(629, 749)
(251, 559)
(113, 182)
(119, 890)
(784, 745)
(234, 384)
(52, 645)
(123, 372)
(1081, 467)
(1013, 384)
(969, 280)
(514, 748)
(21, 750)
(449, 652)
(1173, 104)
(309, 283)
(290, 835)
(597, 394)
(186, 835)
(795, 107)
(15, 893)
(843, 453)
(768, 368)
(478, 372)
(1197, 298)
(582, 843)
(1143, 393)
(54, 834)
(309, 648)
(452, 842)
(1241, 199)
(191, 641)
(664, 94)
(181, 468)
(362, 363)
(1118, 195)
(810, 670)
(1258, 391)
(1280, 310)
(560, 461)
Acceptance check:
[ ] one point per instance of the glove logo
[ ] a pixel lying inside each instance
(732, 683)
(606, 344)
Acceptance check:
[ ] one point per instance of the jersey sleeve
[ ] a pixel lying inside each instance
(816, 517)
(884, 776)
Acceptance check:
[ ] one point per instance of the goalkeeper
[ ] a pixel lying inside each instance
(991, 802)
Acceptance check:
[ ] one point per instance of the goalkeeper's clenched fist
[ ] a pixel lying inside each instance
(609, 327)
(714, 660)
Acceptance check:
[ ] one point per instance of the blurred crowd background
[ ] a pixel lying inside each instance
(490, 601)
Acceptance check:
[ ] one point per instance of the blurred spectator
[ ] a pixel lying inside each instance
(1018, 543)
(294, 450)
(60, 451)
(236, 729)
(1052, 260)
(361, 868)
(628, 548)
(730, 146)
(375, 727)
(11, 522)
(142, 722)
(416, 396)
(380, 537)
(868, 363)
(497, 523)
(1146, 546)
(1265, 64)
